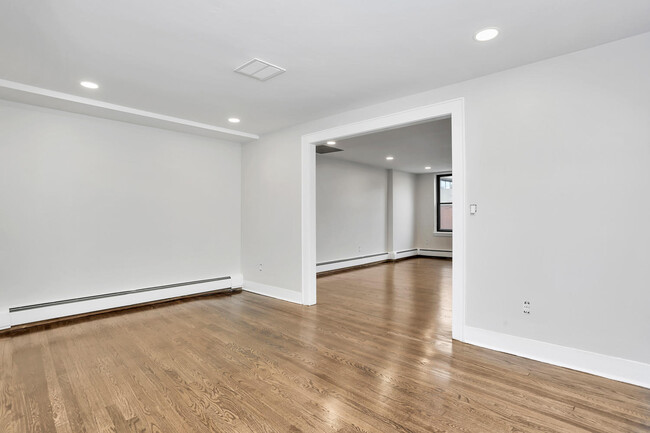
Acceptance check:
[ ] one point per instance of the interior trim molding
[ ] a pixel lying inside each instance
(33, 95)
(273, 292)
(611, 367)
(59, 309)
(454, 108)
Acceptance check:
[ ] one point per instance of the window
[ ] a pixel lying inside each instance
(444, 189)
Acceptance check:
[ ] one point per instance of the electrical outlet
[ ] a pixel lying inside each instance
(526, 307)
(359, 248)
(259, 267)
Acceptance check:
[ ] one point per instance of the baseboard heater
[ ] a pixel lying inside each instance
(85, 304)
(352, 262)
(434, 253)
(398, 253)
(350, 259)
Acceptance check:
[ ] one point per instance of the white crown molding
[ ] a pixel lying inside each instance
(25, 93)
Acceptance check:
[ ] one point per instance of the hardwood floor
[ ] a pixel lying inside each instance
(375, 355)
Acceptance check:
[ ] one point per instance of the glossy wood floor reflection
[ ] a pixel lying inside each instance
(375, 355)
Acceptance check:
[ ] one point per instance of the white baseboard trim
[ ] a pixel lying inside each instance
(5, 322)
(434, 253)
(354, 261)
(611, 367)
(273, 292)
(88, 306)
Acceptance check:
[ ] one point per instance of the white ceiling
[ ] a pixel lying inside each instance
(413, 147)
(177, 57)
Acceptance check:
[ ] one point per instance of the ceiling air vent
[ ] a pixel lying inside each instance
(259, 69)
(323, 148)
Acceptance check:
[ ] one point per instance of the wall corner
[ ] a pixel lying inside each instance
(236, 281)
(5, 321)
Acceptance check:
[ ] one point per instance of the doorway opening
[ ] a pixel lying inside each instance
(452, 110)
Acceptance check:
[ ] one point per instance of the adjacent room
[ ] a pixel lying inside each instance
(325, 217)
(384, 229)
(384, 196)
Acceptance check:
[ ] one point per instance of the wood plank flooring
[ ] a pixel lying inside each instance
(375, 355)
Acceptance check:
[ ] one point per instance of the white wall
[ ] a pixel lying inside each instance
(351, 202)
(271, 213)
(403, 214)
(540, 140)
(91, 206)
(362, 210)
(425, 218)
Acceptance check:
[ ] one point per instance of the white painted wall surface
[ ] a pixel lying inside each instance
(91, 206)
(539, 140)
(351, 202)
(425, 218)
(271, 213)
(404, 204)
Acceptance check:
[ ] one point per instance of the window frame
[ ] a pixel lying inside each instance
(438, 203)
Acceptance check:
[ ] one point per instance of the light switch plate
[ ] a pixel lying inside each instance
(472, 209)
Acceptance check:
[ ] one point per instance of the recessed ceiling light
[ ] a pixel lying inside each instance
(89, 85)
(427, 168)
(486, 35)
(389, 158)
(234, 120)
(331, 143)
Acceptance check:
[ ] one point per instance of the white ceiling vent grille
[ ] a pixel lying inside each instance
(259, 69)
